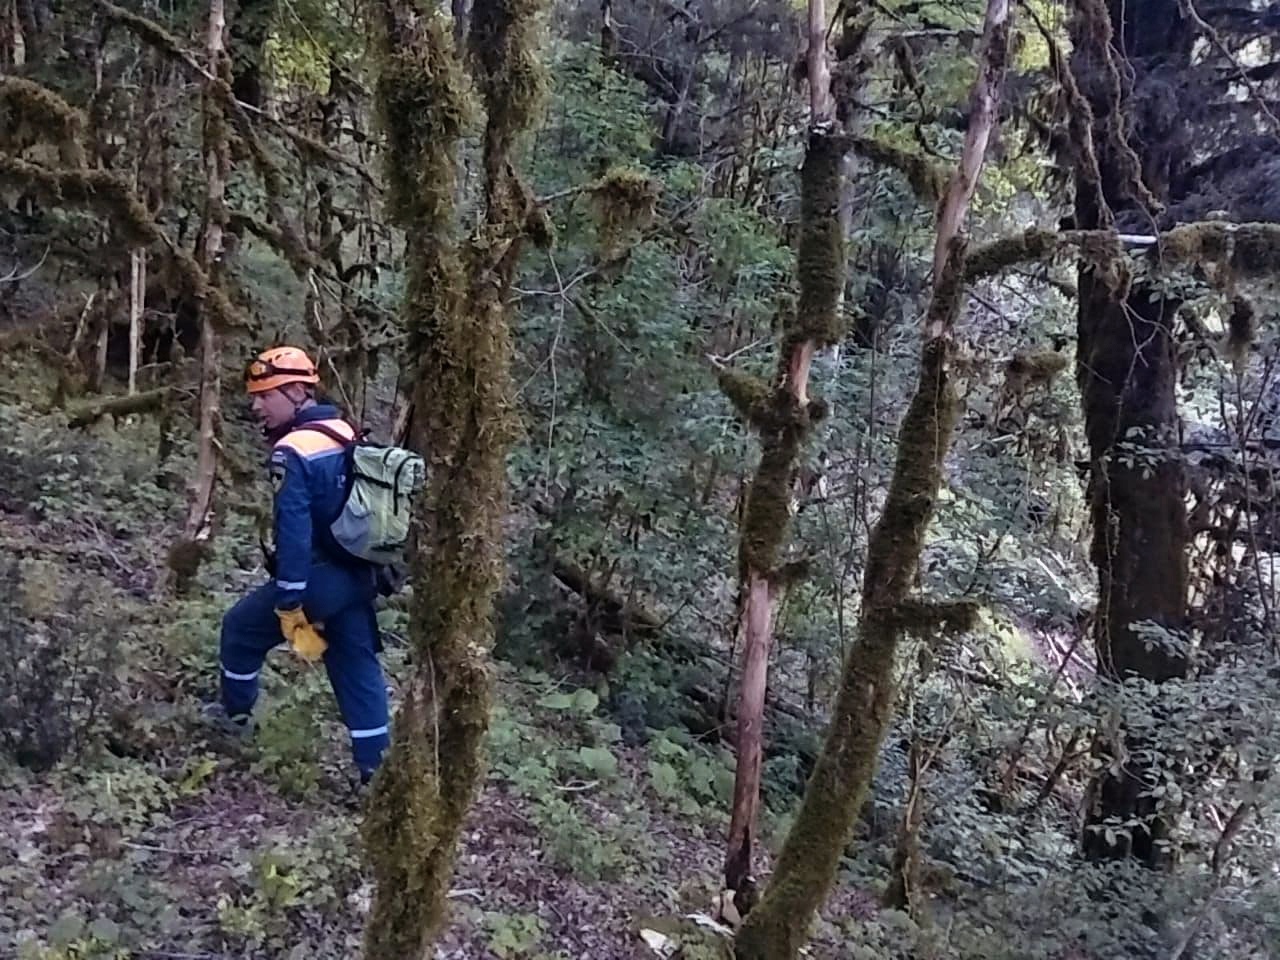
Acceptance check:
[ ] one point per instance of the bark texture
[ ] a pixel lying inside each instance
(1127, 371)
(217, 167)
(461, 348)
(778, 927)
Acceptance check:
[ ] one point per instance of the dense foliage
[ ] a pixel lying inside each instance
(665, 162)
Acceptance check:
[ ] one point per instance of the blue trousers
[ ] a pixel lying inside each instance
(342, 599)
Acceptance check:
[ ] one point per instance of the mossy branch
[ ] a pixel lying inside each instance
(110, 196)
(154, 34)
(625, 199)
(928, 180)
(286, 239)
(282, 239)
(1247, 250)
(29, 111)
(750, 395)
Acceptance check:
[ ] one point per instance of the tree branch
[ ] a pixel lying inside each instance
(110, 196)
(1252, 250)
(156, 35)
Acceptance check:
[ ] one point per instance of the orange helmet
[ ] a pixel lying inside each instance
(277, 366)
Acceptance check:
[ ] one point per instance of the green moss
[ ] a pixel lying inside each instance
(1029, 368)
(806, 867)
(30, 113)
(425, 106)
(1029, 246)
(504, 46)
(820, 259)
(928, 180)
(1244, 250)
(624, 199)
(101, 191)
(749, 394)
(539, 227)
(184, 560)
(460, 349)
(767, 517)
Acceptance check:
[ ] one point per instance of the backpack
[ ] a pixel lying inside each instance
(381, 481)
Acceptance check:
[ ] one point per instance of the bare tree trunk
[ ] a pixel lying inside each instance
(137, 299)
(902, 891)
(217, 163)
(757, 632)
(32, 42)
(455, 306)
(777, 928)
(821, 106)
(784, 418)
(98, 375)
(10, 34)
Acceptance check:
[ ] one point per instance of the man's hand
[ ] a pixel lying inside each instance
(303, 637)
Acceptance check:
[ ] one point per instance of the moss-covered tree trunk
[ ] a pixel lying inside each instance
(461, 352)
(783, 415)
(777, 928)
(1127, 371)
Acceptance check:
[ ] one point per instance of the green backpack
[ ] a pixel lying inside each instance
(381, 482)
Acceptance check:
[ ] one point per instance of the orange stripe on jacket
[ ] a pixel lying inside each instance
(309, 444)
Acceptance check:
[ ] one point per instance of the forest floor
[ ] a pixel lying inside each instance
(130, 830)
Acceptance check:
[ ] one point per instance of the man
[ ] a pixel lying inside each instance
(322, 600)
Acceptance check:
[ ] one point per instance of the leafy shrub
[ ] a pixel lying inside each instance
(60, 651)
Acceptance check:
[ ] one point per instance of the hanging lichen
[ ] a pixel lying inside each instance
(624, 200)
(1094, 39)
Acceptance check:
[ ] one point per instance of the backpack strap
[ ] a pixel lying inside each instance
(329, 432)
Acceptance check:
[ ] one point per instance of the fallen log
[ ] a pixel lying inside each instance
(624, 615)
(85, 414)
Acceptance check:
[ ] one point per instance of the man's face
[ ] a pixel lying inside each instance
(273, 408)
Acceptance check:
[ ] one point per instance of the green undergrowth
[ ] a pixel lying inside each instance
(130, 828)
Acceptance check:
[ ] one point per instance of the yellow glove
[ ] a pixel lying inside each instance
(301, 634)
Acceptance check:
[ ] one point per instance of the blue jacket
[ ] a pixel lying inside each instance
(308, 473)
